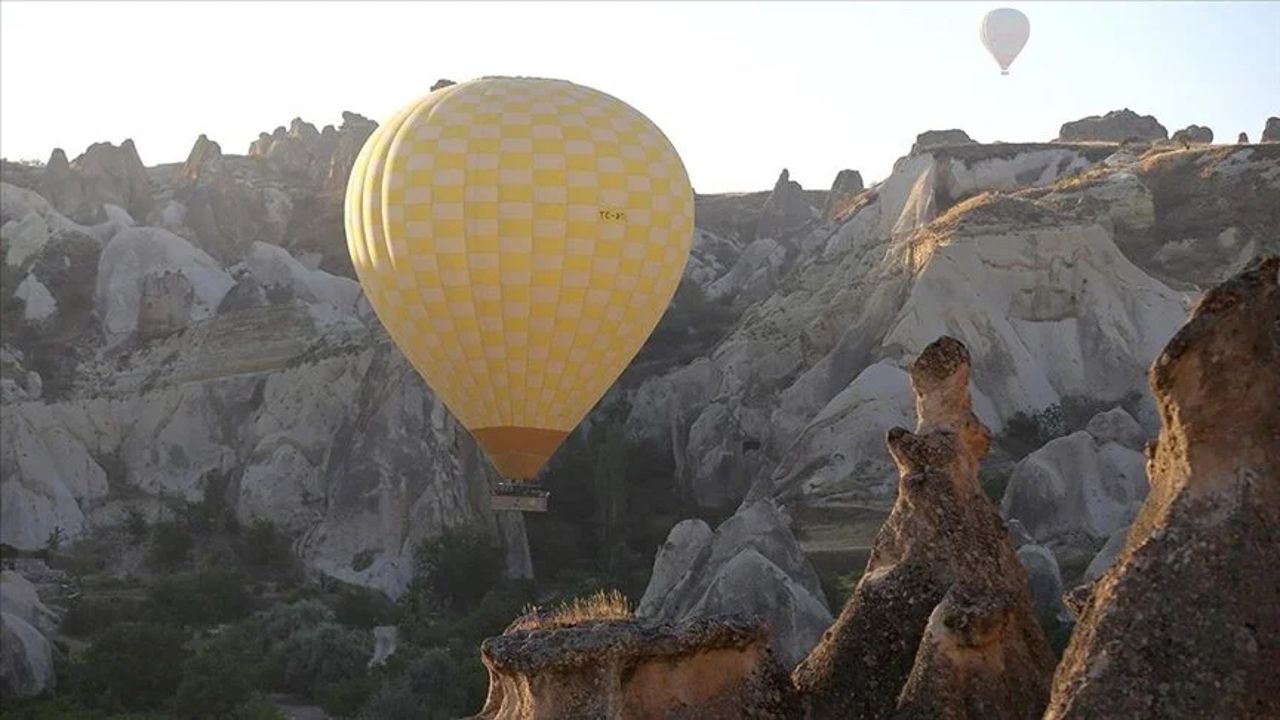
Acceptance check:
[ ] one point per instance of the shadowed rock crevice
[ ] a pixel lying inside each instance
(1185, 623)
(941, 624)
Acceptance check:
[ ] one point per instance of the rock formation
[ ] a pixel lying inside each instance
(751, 564)
(104, 174)
(930, 139)
(1115, 126)
(1185, 622)
(1078, 490)
(847, 185)
(1242, 138)
(1271, 132)
(712, 669)
(1193, 134)
(785, 210)
(27, 650)
(441, 83)
(941, 624)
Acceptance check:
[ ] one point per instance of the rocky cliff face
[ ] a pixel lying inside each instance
(1184, 624)
(140, 369)
(941, 624)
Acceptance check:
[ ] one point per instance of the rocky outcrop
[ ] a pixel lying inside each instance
(1242, 138)
(937, 138)
(1271, 132)
(785, 211)
(441, 83)
(132, 288)
(27, 652)
(713, 669)
(1115, 126)
(941, 624)
(751, 565)
(1078, 490)
(1185, 621)
(847, 185)
(1193, 134)
(104, 174)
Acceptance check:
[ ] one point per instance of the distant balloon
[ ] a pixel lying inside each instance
(1004, 32)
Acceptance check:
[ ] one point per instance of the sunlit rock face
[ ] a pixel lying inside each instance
(1182, 624)
(941, 624)
(717, 668)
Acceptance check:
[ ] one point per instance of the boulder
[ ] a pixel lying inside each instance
(1193, 135)
(938, 138)
(27, 653)
(711, 668)
(1242, 139)
(1076, 491)
(942, 623)
(1271, 132)
(1116, 126)
(140, 253)
(1045, 581)
(1184, 622)
(751, 565)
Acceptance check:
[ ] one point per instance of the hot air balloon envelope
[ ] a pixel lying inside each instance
(1004, 32)
(519, 239)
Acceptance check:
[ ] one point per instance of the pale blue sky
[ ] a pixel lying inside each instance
(742, 89)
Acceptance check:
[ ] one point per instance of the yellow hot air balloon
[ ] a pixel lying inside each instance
(519, 238)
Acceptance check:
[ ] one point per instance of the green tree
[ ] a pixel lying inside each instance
(456, 568)
(132, 667)
(209, 596)
(321, 657)
(218, 679)
(609, 477)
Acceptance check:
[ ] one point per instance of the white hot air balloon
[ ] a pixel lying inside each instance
(1004, 32)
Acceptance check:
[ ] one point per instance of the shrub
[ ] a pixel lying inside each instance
(361, 607)
(258, 708)
(87, 616)
(347, 696)
(458, 567)
(217, 680)
(206, 597)
(264, 546)
(284, 621)
(135, 525)
(316, 658)
(171, 545)
(132, 667)
(601, 605)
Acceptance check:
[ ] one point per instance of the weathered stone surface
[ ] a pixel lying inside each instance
(136, 254)
(937, 138)
(941, 624)
(103, 174)
(1045, 581)
(751, 564)
(1115, 126)
(1193, 134)
(1076, 491)
(1271, 132)
(785, 211)
(1184, 623)
(26, 653)
(714, 668)
(847, 185)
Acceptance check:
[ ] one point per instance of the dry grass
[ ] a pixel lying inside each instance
(610, 605)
